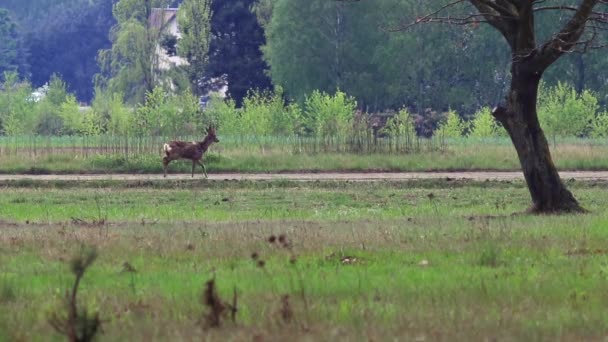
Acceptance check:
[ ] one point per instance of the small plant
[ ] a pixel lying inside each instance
(490, 256)
(7, 292)
(78, 325)
(218, 310)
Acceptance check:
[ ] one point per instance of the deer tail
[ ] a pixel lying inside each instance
(167, 148)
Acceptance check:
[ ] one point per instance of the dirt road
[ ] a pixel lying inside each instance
(396, 176)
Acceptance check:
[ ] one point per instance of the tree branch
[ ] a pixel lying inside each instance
(568, 36)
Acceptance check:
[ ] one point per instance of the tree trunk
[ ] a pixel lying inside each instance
(519, 118)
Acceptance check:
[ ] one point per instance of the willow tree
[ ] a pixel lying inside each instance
(578, 31)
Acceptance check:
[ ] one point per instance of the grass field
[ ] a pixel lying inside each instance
(95, 155)
(420, 261)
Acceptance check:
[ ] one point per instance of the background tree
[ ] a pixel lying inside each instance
(515, 21)
(130, 66)
(12, 52)
(326, 45)
(195, 26)
(236, 38)
(66, 42)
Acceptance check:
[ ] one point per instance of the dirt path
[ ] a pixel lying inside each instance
(474, 175)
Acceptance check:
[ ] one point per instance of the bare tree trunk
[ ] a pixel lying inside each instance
(519, 117)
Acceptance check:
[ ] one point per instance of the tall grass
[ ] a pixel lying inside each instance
(249, 153)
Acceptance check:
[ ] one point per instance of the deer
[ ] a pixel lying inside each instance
(193, 151)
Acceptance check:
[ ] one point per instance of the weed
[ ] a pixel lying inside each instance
(78, 325)
(489, 256)
(217, 308)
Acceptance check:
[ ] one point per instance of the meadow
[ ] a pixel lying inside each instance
(109, 154)
(417, 260)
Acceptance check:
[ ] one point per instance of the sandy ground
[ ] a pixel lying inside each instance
(477, 175)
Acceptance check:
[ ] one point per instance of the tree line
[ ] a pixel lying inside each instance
(106, 50)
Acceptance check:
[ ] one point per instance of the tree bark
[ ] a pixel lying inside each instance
(519, 118)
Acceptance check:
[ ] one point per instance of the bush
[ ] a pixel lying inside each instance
(599, 126)
(328, 116)
(562, 112)
(16, 107)
(115, 118)
(484, 125)
(451, 127)
(167, 114)
(224, 115)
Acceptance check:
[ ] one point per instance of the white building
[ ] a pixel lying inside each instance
(165, 21)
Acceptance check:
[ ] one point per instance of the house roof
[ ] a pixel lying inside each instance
(160, 17)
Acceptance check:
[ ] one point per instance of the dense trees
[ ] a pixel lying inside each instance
(63, 37)
(12, 51)
(194, 22)
(235, 48)
(309, 47)
(127, 67)
(331, 44)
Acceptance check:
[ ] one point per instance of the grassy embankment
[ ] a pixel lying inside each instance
(413, 260)
(76, 155)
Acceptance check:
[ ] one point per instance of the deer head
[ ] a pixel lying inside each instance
(211, 134)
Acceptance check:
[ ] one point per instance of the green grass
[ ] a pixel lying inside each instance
(458, 266)
(62, 155)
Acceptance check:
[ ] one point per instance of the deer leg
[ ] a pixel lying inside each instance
(193, 165)
(204, 168)
(166, 162)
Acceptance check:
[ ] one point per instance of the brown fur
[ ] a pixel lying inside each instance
(193, 151)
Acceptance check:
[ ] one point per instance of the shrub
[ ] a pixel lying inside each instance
(451, 127)
(16, 108)
(484, 125)
(563, 112)
(224, 115)
(327, 116)
(599, 126)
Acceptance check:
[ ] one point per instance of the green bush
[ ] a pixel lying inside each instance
(223, 114)
(562, 112)
(451, 127)
(599, 126)
(168, 114)
(484, 125)
(329, 116)
(115, 118)
(16, 106)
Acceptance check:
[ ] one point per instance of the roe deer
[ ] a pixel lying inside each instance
(189, 150)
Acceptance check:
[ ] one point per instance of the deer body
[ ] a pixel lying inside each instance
(193, 151)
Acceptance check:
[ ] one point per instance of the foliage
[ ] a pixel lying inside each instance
(401, 124)
(12, 50)
(452, 126)
(168, 114)
(264, 113)
(14, 105)
(326, 45)
(194, 22)
(66, 40)
(115, 117)
(599, 126)
(235, 48)
(328, 116)
(484, 125)
(563, 112)
(130, 66)
(76, 121)
(223, 114)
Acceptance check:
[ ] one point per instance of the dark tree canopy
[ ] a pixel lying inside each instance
(13, 56)
(235, 47)
(66, 42)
